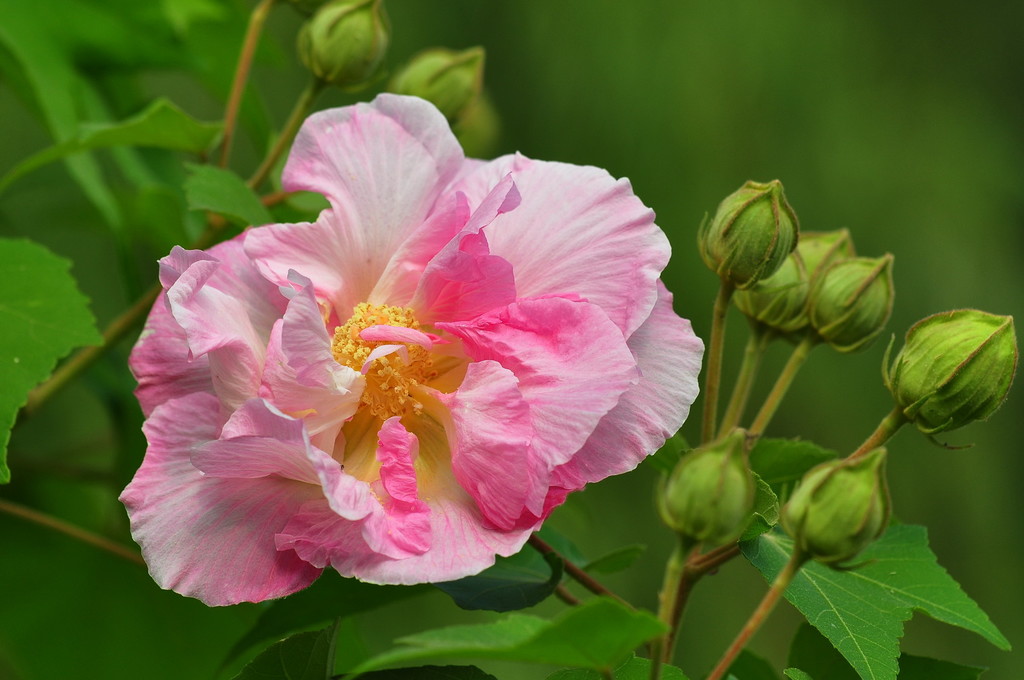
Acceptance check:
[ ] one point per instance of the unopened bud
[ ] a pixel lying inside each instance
(850, 303)
(709, 496)
(778, 302)
(750, 235)
(307, 7)
(821, 249)
(839, 508)
(345, 41)
(449, 80)
(955, 367)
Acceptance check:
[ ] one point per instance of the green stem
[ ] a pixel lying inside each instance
(563, 594)
(291, 127)
(252, 38)
(889, 426)
(574, 572)
(756, 619)
(715, 344)
(669, 606)
(785, 379)
(71, 530)
(757, 343)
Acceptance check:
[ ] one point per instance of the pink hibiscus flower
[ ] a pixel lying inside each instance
(405, 388)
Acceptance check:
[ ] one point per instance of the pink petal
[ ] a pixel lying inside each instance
(578, 231)
(490, 435)
(669, 356)
(383, 166)
(206, 537)
(300, 375)
(225, 314)
(409, 524)
(257, 441)
(393, 524)
(397, 334)
(383, 351)
(571, 361)
(465, 280)
(462, 544)
(398, 283)
(159, 361)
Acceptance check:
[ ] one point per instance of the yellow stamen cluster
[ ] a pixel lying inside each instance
(390, 380)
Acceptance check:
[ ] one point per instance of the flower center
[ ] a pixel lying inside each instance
(391, 378)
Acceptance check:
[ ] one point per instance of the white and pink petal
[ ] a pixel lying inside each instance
(206, 537)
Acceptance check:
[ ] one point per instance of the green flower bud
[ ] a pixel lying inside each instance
(839, 508)
(307, 7)
(750, 235)
(709, 496)
(821, 249)
(954, 368)
(778, 302)
(345, 41)
(850, 303)
(449, 80)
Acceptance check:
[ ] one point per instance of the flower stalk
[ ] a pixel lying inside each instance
(301, 109)
(764, 608)
(77, 533)
(757, 343)
(785, 379)
(252, 38)
(573, 571)
(889, 426)
(715, 347)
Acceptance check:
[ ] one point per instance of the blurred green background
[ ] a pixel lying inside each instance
(900, 121)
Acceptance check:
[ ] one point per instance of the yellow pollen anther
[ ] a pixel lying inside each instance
(389, 379)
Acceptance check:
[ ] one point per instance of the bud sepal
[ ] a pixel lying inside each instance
(839, 508)
(752, 232)
(709, 496)
(955, 368)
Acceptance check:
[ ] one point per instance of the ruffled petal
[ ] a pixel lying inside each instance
(669, 356)
(577, 231)
(257, 441)
(384, 520)
(382, 166)
(301, 376)
(207, 537)
(226, 315)
(490, 434)
(571, 362)
(465, 280)
(160, 362)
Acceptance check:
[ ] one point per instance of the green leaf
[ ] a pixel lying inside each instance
(515, 582)
(796, 674)
(924, 668)
(222, 191)
(636, 668)
(815, 656)
(862, 611)
(332, 596)
(782, 462)
(50, 75)
(617, 560)
(766, 510)
(161, 125)
(303, 656)
(42, 318)
(749, 666)
(431, 673)
(598, 634)
(812, 651)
